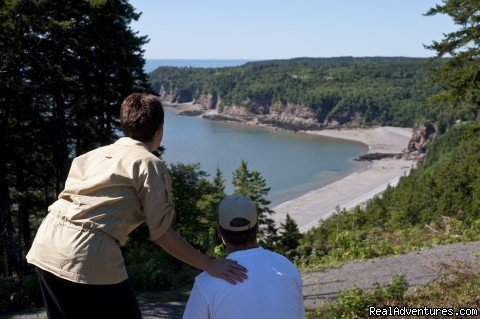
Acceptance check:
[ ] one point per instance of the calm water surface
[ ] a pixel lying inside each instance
(292, 163)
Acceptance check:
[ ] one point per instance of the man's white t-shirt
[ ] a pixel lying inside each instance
(273, 290)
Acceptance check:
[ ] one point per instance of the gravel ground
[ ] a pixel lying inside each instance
(419, 268)
(150, 310)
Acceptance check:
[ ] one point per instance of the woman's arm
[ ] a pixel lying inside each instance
(179, 248)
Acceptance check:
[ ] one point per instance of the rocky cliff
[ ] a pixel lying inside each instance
(288, 116)
(422, 133)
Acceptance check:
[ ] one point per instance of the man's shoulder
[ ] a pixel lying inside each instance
(205, 278)
(281, 259)
(272, 254)
(209, 285)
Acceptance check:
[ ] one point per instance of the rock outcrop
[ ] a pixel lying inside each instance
(422, 133)
(285, 116)
(378, 156)
(208, 101)
(289, 116)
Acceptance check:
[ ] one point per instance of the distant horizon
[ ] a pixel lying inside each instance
(153, 64)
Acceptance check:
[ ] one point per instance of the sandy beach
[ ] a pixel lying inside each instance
(352, 190)
(356, 188)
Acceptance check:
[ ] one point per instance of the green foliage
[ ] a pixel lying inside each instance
(361, 91)
(65, 67)
(458, 290)
(196, 199)
(151, 268)
(290, 238)
(18, 293)
(241, 180)
(437, 203)
(445, 185)
(459, 76)
(354, 303)
(252, 184)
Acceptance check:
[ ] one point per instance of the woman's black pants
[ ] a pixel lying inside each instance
(67, 299)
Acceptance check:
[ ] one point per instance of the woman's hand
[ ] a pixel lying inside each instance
(227, 269)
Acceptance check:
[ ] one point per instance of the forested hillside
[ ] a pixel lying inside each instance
(354, 91)
(439, 201)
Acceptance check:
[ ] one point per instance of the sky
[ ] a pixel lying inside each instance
(281, 29)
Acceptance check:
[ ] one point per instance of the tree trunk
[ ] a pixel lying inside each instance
(61, 149)
(7, 238)
(108, 126)
(25, 236)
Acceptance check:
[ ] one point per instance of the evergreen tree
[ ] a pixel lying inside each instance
(241, 180)
(208, 206)
(290, 238)
(460, 74)
(65, 67)
(219, 182)
(190, 185)
(271, 237)
(252, 184)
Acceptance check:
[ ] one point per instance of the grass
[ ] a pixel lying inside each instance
(361, 244)
(458, 287)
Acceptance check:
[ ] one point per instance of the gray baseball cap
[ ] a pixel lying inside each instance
(236, 206)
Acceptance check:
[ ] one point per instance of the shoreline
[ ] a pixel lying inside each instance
(358, 187)
(352, 190)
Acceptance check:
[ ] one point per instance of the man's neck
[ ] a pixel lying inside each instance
(232, 248)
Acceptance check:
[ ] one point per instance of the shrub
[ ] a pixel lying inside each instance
(18, 293)
(150, 268)
(355, 303)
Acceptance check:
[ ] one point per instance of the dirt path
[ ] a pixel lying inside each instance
(419, 268)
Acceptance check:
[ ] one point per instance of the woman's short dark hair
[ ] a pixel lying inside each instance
(140, 116)
(239, 238)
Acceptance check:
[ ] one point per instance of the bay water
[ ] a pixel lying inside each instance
(292, 163)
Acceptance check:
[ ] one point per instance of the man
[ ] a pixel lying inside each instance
(274, 285)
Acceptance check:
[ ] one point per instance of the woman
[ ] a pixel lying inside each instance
(108, 193)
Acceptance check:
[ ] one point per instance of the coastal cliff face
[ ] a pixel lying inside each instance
(422, 133)
(208, 101)
(174, 96)
(264, 111)
(288, 116)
